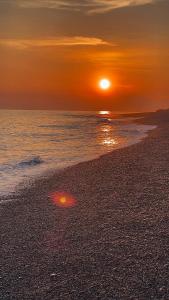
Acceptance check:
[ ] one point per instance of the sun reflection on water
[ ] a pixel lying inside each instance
(109, 141)
(106, 128)
(106, 132)
(104, 112)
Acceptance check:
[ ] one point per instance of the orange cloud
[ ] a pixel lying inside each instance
(61, 41)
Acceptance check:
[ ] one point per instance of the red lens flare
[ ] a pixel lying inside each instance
(63, 199)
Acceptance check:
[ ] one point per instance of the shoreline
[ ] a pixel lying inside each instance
(113, 244)
(22, 186)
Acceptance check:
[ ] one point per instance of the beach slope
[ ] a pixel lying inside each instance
(112, 243)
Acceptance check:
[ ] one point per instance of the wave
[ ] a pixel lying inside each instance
(30, 163)
(71, 126)
(23, 164)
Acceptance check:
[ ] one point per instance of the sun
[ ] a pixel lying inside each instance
(105, 84)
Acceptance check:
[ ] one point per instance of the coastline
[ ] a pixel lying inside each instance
(35, 177)
(113, 244)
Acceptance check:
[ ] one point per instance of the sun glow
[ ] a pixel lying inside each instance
(105, 84)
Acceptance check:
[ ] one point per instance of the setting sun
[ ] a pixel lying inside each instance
(104, 84)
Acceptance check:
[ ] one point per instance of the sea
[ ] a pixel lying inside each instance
(34, 143)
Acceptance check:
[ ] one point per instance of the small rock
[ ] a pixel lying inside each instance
(53, 275)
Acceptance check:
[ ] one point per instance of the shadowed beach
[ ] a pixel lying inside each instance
(112, 243)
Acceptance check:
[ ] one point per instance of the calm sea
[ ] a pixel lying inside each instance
(33, 142)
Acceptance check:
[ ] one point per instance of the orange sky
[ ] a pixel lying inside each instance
(53, 55)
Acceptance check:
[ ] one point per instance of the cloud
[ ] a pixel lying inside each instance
(102, 6)
(61, 41)
(56, 4)
(88, 6)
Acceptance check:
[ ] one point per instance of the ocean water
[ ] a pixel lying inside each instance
(34, 142)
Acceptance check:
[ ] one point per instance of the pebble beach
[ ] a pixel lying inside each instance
(110, 242)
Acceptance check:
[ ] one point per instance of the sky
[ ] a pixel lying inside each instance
(54, 52)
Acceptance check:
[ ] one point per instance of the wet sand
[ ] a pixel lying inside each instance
(113, 244)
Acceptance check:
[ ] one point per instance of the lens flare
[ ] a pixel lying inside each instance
(63, 199)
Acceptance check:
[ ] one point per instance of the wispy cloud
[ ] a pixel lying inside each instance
(61, 41)
(88, 6)
(57, 4)
(102, 6)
